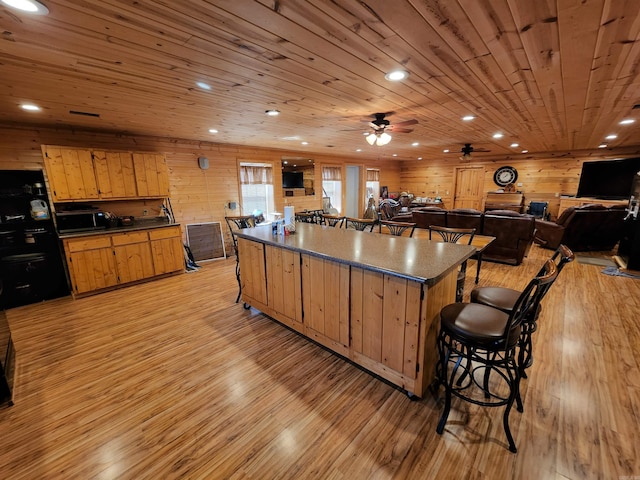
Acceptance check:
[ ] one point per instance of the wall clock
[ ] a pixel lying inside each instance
(505, 175)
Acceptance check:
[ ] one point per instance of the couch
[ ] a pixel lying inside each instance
(590, 227)
(514, 231)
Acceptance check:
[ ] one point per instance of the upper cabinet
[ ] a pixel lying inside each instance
(83, 174)
(152, 174)
(114, 172)
(71, 174)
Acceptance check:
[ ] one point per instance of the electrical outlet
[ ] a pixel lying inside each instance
(145, 212)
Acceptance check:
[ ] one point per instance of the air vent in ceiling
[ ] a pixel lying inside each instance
(86, 114)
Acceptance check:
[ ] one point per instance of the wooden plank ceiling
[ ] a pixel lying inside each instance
(550, 75)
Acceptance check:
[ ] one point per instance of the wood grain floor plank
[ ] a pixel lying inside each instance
(172, 379)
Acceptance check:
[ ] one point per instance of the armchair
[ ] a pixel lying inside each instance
(583, 228)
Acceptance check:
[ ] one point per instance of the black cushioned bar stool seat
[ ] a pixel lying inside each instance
(504, 299)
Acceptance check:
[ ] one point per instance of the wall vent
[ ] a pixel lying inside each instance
(205, 241)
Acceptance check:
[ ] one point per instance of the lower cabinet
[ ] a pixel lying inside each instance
(133, 256)
(167, 250)
(99, 262)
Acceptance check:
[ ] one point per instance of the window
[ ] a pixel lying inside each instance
(332, 186)
(373, 185)
(256, 189)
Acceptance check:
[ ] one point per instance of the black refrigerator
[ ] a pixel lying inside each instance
(629, 248)
(31, 261)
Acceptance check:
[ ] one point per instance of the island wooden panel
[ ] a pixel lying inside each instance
(383, 322)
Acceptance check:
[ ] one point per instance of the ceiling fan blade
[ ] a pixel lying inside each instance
(394, 129)
(481, 150)
(406, 123)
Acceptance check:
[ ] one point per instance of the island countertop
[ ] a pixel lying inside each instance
(410, 258)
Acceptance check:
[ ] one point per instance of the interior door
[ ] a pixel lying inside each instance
(469, 187)
(353, 207)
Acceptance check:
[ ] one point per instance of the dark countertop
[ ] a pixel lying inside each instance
(146, 225)
(411, 258)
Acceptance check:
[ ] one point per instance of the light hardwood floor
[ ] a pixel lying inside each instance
(172, 379)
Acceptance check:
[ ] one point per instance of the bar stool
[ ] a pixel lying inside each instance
(236, 223)
(454, 235)
(359, 223)
(504, 299)
(476, 338)
(396, 228)
(332, 220)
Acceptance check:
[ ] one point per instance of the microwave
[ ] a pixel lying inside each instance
(80, 220)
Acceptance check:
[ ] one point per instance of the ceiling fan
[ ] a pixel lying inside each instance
(381, 127)
(467, 150)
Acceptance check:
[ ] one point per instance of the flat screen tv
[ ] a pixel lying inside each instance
(608, 179)
(292, 180)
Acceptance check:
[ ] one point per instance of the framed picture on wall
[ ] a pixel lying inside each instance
(384, 192)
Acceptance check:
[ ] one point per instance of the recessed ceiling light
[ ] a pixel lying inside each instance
(602, 145)
(468, 118)
(204, 86)
(396, 75)
(627, 121)
(394, 155)
(419, 158)
(213, 130)
(30, 107)
(525, 151)
(29, 6)
(286, 162)
(515, 145)
(358, 149)
(415, 144)
(498, 135)
(446, 150)
(305, 143)
(613, 136)
(272, 113)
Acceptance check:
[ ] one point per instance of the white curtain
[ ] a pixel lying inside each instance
(251, 175)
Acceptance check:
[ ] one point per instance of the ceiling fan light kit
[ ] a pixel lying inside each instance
(378, 138)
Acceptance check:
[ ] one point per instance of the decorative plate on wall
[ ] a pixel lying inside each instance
(505, 175)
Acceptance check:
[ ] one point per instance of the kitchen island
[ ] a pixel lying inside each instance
(370, 297)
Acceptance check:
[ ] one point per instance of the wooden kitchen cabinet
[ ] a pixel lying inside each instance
(71, 174)
(85, 174)
(152, 174)
(133, 256)
(167, 250)
(97, 262)
(115, 174)
(91, 262)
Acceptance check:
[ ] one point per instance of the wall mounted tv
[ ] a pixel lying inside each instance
(609, 179)
(292, 180)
